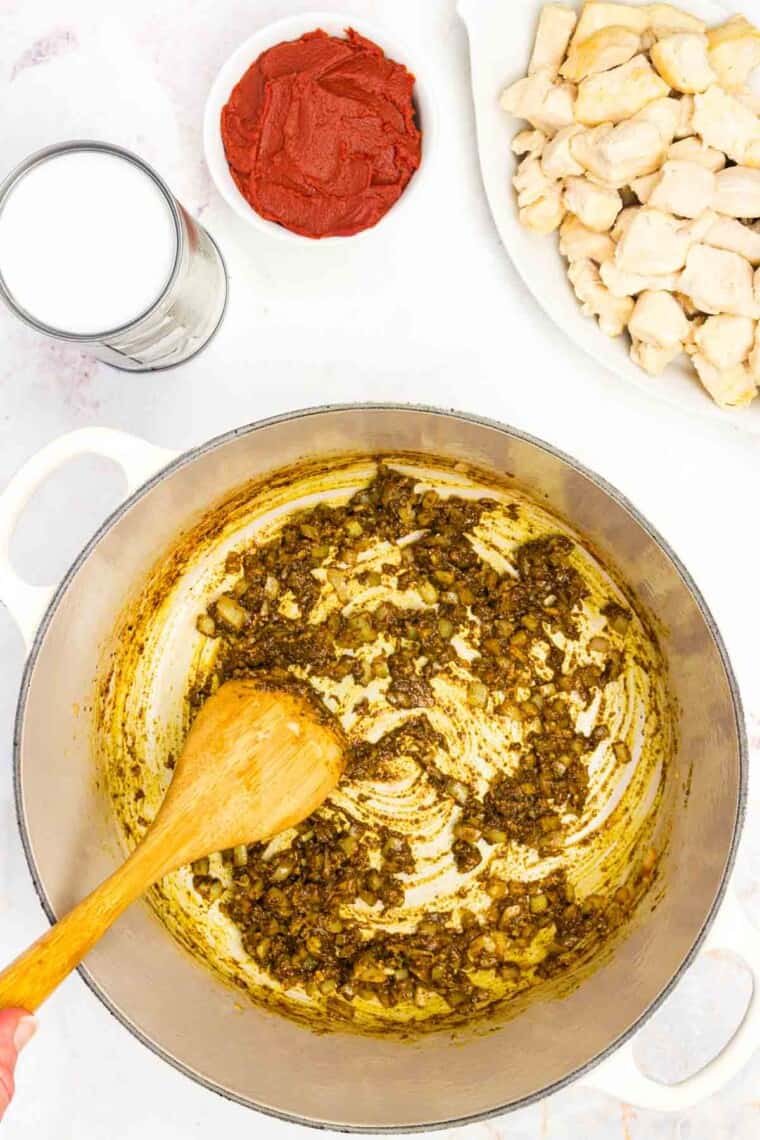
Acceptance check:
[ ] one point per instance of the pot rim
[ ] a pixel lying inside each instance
(189, 456)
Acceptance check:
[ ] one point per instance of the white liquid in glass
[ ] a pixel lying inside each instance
(87, 242)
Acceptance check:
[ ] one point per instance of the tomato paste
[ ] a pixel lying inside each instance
(320, 134)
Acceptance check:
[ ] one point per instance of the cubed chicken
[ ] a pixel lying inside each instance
(661, 19)
(718, 281)
(653, 358)
(665, 20)
(596, 206)
(721, 121)
(530, 181)
(557, 159)
(683, 188)
(734, 50)
(616, 155)
(529, 143)
(737, 192)
(734, 388)
(545, 214)
(653, 244)
(682, 62)
(659, 320)
(577, 242)
(607, 48)
(546, 105)
(733, 235)
(596, 14)
(725, 340)
(613, 313)
(618, 94)
(665, 114)
(622, 284)
(693, 149)
(555, 27)
(696, 229)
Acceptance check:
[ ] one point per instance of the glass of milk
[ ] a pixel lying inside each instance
(96, 250)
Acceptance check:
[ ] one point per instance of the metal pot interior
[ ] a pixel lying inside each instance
(184, 1011)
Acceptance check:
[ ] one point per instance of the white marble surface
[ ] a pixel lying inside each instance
(428, 310)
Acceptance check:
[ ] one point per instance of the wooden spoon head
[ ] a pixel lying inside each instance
(255, 762)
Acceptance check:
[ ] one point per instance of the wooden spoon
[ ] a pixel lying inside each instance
(254, 763)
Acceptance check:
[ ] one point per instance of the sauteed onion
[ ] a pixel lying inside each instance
(509, 734)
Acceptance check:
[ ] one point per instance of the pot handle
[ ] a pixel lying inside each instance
(620, 1076)
(138, 460)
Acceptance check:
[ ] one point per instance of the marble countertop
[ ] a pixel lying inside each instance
(428, 311)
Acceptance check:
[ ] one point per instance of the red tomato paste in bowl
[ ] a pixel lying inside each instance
(320, 134)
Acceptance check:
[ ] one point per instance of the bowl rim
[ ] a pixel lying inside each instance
(189, 456)
(288, 28)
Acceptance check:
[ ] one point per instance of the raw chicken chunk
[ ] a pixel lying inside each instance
(659, 320)
(725, 340)
(618, 94)
(653, 358)
(653, 244)
(622, 284)
(733, 235)
(558, 160)
(548, 106)
(734, 388)
(577, 242)
(555, 27)
(618, 155)
(596, 206)
(683, 188)
(693, 150)
(682, 62)
(613, 313)
(734, 51)
(719, 282)
(723, 122)
(607, 48)
(737, 192)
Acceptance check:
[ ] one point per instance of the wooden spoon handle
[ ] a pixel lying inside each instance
(33, 976)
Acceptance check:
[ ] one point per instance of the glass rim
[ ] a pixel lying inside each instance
(36, 159)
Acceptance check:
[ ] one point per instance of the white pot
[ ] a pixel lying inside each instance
(182, 1012)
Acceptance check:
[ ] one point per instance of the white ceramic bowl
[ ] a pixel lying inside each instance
(291, 28)
(501, 37)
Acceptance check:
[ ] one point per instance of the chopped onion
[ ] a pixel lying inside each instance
(428, 593)
(206, 625)
(458, 791)
(477, 694)
(230, 611)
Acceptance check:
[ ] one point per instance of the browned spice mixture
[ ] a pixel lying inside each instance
(293, 908)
